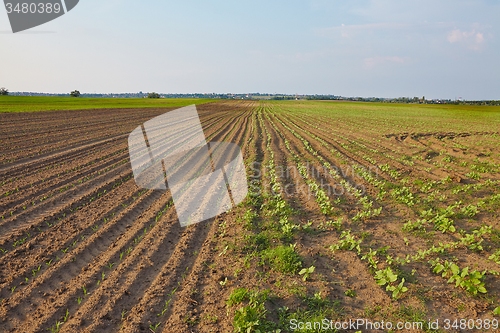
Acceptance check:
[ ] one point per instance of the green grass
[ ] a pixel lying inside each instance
(399, 118)
(250, 315)
(283, 259)
(10, 104)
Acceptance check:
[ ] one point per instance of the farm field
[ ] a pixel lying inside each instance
(381, 212)
(12, 104)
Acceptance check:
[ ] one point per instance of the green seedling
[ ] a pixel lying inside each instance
(66, 316)
(57, 327)
(223, 252)
(385, 277)
(371, 258)
(337, 224)
(397, 290)
(495, 257)
(306, 272)
(347, 242)
(470, 281)
(165, 307)
(472, 243)
(496, 311)
(350, 293)
(417, 225)
(34, 271)
(154, 327)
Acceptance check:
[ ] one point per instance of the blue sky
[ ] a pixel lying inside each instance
(384, 48)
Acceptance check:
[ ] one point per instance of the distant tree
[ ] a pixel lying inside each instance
(4, 91)
(75, 93)
(153, 95)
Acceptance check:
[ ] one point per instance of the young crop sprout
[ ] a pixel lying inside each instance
(496, 311)
(66, 316)
(306, 272)
(34, 271)
(165, 307)
(350, 293)
(154, 327)
(224, 251)
(57, 327)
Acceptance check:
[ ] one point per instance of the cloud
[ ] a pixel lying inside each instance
(385, 28)
(347, 31)
(472, 39)
(377, 61)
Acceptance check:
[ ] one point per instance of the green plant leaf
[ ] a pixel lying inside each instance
(496, 312)
(390, 274)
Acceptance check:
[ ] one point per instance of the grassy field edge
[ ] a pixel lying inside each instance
(15, 104)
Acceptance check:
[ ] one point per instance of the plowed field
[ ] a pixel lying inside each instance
(355, 211)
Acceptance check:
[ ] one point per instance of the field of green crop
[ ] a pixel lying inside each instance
(32, 104)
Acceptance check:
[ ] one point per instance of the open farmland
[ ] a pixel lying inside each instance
(355, 210)
(12, 104)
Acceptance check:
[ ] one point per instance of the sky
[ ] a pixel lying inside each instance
(382, 48)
